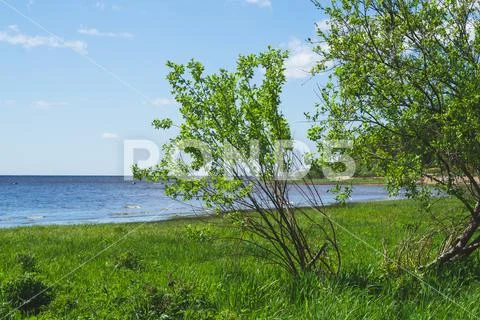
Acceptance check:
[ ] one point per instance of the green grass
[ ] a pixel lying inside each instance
(128, 271)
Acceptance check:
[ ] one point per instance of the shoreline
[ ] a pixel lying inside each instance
(355, 181)
(185, 218)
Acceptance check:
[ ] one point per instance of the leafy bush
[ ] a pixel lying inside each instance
(28, 293)
(27, 262)
(178, 301)
(128, 260)
(235, 133)
(199, 233)
(64, 303)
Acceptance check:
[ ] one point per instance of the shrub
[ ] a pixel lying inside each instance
(178, 300)
(199, 233)
(128, 260)
(235, 133)
(27, 262)
(28, 293)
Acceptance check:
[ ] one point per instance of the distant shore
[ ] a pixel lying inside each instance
(366, 181)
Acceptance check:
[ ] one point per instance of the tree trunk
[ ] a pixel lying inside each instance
(463, 245)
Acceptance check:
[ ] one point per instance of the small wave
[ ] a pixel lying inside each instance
(36, 217)
(121, 214)
(129, 214)
(133, 206)
(138, 213)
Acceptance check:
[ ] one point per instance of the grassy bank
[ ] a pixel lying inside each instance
(187, 269)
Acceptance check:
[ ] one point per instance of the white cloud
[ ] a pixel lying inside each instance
(301, 59)
(14, 36)
(30, 3)
(109, 135)
(13, 28)
(94, 32)
(162, 102)
(100, 5)
(260, 3)
(46, 105)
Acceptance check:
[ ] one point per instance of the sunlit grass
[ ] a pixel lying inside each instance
(223, 282)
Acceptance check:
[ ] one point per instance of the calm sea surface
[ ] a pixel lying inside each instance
(40, 200)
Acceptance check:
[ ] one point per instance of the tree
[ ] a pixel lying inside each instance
(405, 88)
(234, 152)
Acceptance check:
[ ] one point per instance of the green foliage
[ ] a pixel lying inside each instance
(405, 89)
(27, 262)
(28, 293)
(178, 301)
(406, 86)
(223, 114)
(162, 123)
(128, 260)
(342, 193)
(241, 155)
(199, 233)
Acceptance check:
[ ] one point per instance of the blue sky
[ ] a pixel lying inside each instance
(79, 77)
